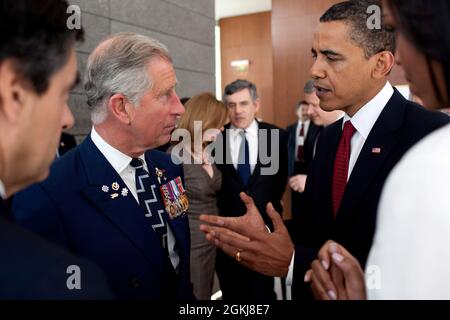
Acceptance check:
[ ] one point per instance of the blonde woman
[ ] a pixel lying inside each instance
(202, 180)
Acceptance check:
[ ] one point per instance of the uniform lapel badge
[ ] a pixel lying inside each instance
(160, 175)
(115, 187)
(176, 202)
(376, 150)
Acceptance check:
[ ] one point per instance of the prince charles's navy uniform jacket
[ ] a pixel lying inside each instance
(72, 209)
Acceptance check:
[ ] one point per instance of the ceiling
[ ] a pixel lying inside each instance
(232, 8)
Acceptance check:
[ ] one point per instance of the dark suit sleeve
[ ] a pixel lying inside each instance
(34, 210)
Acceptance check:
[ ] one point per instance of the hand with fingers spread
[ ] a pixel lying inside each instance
(247, 240)
(336, 274)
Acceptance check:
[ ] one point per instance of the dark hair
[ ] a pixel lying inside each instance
(309, 87)
(300, 103)
(426, 24)
(240, 85)
(354, 13)
(35, 36)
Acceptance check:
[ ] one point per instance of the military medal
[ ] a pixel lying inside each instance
(176, 202)
(115, 186)
(160, 175)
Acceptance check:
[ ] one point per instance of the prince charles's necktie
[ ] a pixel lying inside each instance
(148, 201)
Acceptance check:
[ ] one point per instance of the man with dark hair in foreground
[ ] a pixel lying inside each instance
(37, 71)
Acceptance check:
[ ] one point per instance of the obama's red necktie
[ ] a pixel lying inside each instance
(340, 171)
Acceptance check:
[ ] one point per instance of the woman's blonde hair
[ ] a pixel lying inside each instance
(206, 108)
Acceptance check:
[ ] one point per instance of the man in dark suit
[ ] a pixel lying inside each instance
(301, 141)
(301, 144)
(354, 156)
(110, 199)
(298, 170)
(313, 119)
(246, 170)
(37, 68)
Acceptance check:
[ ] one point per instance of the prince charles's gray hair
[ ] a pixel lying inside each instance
(119, 65)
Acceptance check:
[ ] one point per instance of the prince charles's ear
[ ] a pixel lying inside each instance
(121, 108)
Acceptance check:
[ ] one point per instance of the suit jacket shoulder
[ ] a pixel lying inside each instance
(33, 268)
(422, 119)
(292, 127)
(160, 157)
(269, 126)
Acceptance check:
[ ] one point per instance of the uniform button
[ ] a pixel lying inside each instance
(135, 282)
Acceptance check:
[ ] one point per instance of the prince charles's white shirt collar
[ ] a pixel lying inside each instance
(118, 160)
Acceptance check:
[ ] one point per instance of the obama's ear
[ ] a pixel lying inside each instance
(384, 63)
